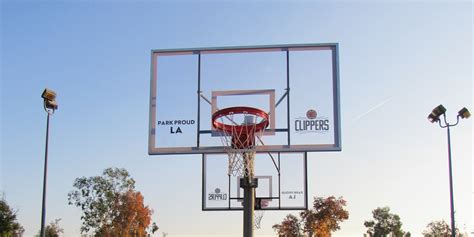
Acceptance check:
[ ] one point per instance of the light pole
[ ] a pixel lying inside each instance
(434, 117)
(50, 105)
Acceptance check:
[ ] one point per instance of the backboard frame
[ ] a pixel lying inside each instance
(289, 147)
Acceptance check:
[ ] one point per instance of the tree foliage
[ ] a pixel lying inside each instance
(9, 226)
(110, 204)
(384, 223)
(52, 229)
(325, 216)
(439, 229)
(134, 217)
(290, 226)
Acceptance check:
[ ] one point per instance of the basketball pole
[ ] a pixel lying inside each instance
(248, 183)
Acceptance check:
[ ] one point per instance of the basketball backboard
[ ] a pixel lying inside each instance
(297, 85)
(282, 183)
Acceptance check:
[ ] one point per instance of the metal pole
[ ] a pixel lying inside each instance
(248, 208)
(451, 195)
(43, 209)
(248, 184)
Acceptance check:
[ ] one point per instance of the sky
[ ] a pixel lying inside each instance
(398, 60)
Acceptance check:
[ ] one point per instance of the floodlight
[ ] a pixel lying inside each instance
(438, 111)
(49, 97)
(51, 104)
(48, 94)
(464, 113)
(433, 118)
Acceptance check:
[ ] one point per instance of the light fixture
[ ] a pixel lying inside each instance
(51, 104)
(433, 118)
(439, 110)
(48, 94)
(464, 113)
(49, 97)
(436, 113)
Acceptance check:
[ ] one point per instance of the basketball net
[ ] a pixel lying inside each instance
(257, 218)
(240, 138)
(241, 144)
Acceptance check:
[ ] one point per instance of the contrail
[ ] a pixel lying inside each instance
(372, 109)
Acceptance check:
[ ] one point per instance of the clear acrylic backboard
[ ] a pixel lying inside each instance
(297, 85)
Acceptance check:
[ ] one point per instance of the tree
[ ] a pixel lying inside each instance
(110, 204)
(9, 227)
(439, 229)
(325, 217)
(52, 230)
(384, 223)
(289, 227)
(134, 217)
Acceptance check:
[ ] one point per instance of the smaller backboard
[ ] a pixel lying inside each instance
(282, 183)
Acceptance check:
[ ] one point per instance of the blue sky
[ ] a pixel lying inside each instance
(398, 60)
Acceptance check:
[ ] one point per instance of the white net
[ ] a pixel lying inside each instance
(241, 134)
(258, 216)
(241, 142)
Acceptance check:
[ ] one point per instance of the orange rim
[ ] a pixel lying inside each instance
(240, 128)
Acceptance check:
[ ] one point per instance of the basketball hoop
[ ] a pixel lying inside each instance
(239, 128)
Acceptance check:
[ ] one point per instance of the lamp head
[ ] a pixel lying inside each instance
(433, 118)
(436, 113)
(51, 104)
(464, 113)
(49, 97)
(48, 94)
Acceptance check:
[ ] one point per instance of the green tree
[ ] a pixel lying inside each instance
(289, 227)
(52, 230)
(110, 204)
(325, 216)
(9, 226)
(439, 229)
(384, 223)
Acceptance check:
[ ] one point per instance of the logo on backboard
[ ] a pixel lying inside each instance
(175, 125)
(217, 195)
(292, 195)
(311, 114)
(312, 123)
